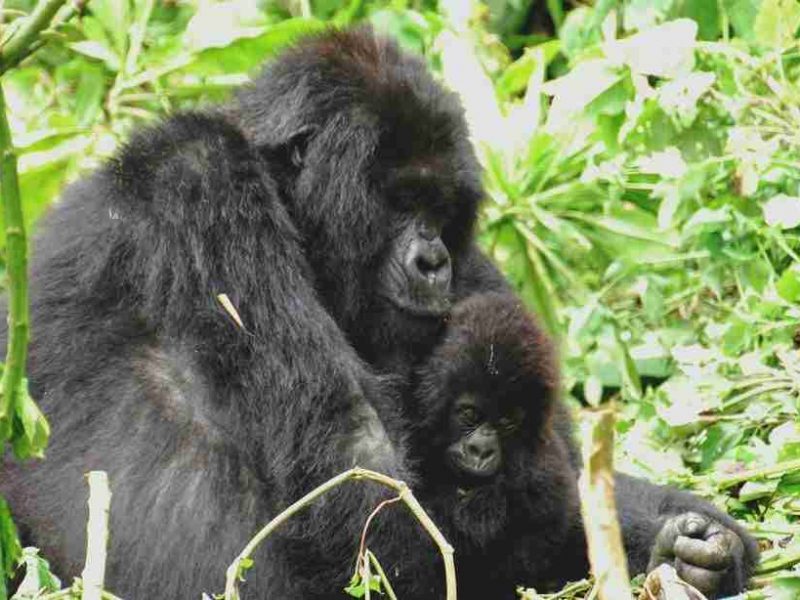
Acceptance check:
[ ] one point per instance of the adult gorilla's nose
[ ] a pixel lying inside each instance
(427, 265)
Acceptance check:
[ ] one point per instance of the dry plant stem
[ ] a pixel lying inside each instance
(366, 578)
(26, 36)
(782, 468)
(17, 270)
(363, 544)
(356, 473)
(96, 535)
(785, 561)
(598, 507)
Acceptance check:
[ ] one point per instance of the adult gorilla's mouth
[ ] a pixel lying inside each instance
(434, 308)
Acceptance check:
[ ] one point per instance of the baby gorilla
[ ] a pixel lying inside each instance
(499, 469)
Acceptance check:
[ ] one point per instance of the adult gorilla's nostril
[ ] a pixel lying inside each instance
(429, 261)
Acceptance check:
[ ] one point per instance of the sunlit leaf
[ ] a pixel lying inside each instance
(664, 51)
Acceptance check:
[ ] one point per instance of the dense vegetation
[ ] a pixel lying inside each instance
(642, 162)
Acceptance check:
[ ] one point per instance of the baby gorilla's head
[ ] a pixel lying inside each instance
(486, 395)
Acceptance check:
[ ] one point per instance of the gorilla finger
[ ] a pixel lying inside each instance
(714, 553)
(693, 524)
(705, 580)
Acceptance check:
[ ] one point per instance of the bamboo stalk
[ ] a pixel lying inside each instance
(598, 507)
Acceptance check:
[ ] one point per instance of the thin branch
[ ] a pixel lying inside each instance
(356, 473)
(387, 586)
(726, 481)
(26, 36)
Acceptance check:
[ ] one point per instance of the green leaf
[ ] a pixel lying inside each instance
(38, 577)
(245, 54)
(30, 430)
(630, 376)
(664, 51)
(782, 211)
(579, 31)
(788, 286)
(784, 587)
(514, 79)
(777, 22)
(218, 25)
(643, 14)
(752, 490)
(97, 51)
(10, 549)
(742, 15)
(115, 17)
(575, 90)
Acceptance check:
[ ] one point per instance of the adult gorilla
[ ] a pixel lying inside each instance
(318, 184)
(332, 203)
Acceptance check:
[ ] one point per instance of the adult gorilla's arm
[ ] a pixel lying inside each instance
(207, 428)
(476, 273)
(661, 524)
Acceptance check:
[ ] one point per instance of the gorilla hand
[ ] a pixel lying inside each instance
(705, 553)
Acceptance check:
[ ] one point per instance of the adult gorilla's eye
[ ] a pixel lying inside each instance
(468, 415)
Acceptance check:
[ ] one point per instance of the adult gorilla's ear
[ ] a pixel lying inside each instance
(291, 152)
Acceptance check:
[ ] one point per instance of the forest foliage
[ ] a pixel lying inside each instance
(642, 168)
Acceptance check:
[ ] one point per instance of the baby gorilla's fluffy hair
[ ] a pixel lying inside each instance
(495, 461)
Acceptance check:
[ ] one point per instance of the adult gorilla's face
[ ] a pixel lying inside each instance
(378, 174)
(417, 273)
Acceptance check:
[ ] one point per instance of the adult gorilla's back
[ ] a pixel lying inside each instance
(336, 198)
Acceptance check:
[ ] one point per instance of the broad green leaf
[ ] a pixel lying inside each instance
(679, 98)
(642, 14)
(782, 211)
(777, 22)
(664, 51)
(574, 91)
(784, 587)
(217, 25)
(752, 490)
(245, 54)
(516, 76)
(742, 15)
(579, 31)
(788, 286)
(115, 17)
(98, 51)
(464, 73)
(408, 27)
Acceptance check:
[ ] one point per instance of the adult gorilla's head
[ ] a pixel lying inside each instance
(378, 173)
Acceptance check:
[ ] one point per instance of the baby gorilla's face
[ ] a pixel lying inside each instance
(479, 429)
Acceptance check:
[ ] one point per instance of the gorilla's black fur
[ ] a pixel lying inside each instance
(306, 202)
(498, 469)
(332, 203)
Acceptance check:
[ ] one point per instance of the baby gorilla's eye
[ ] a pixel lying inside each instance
(508, 423)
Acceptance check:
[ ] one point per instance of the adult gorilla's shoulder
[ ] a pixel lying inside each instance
(332, 204)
